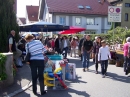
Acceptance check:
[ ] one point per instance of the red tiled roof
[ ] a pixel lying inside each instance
(71, 6)
(23, 20)
(32, 12)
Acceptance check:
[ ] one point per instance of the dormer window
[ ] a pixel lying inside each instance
(88, 7)
(80, 7)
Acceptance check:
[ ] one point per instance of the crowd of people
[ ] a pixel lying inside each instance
(62, 45)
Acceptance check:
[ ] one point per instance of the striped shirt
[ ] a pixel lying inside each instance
(36, 49)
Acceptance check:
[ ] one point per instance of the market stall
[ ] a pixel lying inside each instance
(117, 58)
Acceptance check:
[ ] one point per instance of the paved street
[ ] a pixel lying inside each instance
(89, 84)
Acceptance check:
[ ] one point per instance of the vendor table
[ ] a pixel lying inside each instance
(118, 56)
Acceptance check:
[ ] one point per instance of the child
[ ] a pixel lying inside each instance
(103, 56)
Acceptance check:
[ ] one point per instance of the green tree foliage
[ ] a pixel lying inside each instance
(8, 22)
(120, 33)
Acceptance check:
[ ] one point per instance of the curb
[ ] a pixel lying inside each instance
(20, 90)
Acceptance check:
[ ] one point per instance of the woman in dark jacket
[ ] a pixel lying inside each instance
(96, 46)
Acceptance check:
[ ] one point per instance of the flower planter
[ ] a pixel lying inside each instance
(8, 70)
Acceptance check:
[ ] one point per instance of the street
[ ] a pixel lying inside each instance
(89, 84)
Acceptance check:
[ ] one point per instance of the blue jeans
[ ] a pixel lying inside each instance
(66, 51)
(85, 56)
(126, 63)
(104, 65)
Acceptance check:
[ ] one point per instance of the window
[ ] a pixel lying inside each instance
(90, 21)
(127, 4)
(88, 7)
(108, 23)
(80, 7)
(49, 19)
(78, 21)
(126, 16)
(62, 20)
(90, 32)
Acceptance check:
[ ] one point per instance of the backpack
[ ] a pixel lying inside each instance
(129, 50)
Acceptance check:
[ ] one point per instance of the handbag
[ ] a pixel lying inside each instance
(28, 55)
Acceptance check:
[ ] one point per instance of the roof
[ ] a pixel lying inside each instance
(71, 6)
(32, 12)
(23, 20)
(112, 0)
(115, 1)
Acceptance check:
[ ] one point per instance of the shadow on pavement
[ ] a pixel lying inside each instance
(118, 77)
(22, 77)
(79, 63)
(56, 93)
(75, 81)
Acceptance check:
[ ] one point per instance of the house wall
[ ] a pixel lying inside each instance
(125, 10)
(19, 21)
(100, 22)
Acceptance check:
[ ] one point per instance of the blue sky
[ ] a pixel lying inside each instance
(21, 6)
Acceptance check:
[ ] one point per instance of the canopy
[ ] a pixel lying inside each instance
(72, 30)
(42, 26)
(33, 33)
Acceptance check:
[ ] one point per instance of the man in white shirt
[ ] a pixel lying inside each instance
(103, 57)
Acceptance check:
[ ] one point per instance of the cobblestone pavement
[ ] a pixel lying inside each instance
(89, 84)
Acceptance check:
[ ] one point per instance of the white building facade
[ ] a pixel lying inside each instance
(94, 24)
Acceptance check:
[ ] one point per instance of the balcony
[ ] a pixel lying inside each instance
(92, 26)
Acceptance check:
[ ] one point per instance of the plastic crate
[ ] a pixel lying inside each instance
(55, 57)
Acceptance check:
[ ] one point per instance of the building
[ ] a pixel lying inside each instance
(21, 21)
(15, 6)
(32, 14)
(125, 17)
(90, 14)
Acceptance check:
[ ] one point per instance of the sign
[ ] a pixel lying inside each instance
(114, 14)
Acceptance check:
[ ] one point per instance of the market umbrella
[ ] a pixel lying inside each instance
(72, 30)
(42, 26)
(33, 33)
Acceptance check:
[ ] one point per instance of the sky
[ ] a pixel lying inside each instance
(21, 6)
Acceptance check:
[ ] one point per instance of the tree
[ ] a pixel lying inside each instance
(8, 22)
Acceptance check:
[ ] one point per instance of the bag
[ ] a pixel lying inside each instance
(28, 55)
(19, 62)
(128, 51)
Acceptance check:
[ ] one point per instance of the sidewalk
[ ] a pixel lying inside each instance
(89, 84)
(22, 78)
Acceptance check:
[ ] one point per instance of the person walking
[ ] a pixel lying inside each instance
(52, 43)
(103, 57)
(58, 44)
(126, 48)
(96, 46)
(36, 50)
(86, 49)
(73, 45)
(80, 45)
(65, 44)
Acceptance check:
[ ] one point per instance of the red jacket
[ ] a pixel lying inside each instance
(52, 43)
